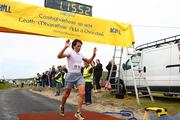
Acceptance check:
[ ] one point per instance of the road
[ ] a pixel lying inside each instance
(16, 101)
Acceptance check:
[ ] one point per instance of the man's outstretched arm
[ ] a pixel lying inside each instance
(61, 53)
(92, 58)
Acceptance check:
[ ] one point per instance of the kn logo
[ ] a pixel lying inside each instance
(115, 30)
(5, 8)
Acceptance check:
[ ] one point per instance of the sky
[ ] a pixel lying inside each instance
(22, 56)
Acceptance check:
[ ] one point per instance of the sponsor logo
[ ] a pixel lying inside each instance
(5, 8)
(115, 30)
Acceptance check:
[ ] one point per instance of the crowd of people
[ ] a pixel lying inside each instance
(51, 77)
(55, 76)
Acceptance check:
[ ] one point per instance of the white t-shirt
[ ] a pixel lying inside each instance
(74, 61)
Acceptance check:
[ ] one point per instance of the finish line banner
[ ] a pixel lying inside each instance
(49, 22)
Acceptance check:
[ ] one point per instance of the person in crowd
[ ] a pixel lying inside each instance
(22, 84)
(52, 74)
(39, 82)
(112, 78)
(58, 79)
(64, 72)
(94, 82)
(44, 79)
(98, 69)
(74, 76)
(49, 78)
(88, 78)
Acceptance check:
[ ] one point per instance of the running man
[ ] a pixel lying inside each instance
(74, 75)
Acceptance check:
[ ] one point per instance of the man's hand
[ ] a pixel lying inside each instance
(67, 43)
(94, 52)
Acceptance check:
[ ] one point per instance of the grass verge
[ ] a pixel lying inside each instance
(129, 102)
(4, 85)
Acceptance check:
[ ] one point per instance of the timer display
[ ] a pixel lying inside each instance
(69, 6)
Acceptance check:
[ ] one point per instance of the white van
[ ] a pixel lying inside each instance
(159, 63)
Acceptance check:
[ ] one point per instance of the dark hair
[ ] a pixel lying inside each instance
(75, 42)
(98, 60)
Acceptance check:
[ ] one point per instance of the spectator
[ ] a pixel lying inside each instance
(52, 74)
(94, 82)
(64, 72)
(44, 78)
(49, 78)
(88, 78)
(112, 78)
(22, 84)
(58, 79)
(98, 69)
(39, 82)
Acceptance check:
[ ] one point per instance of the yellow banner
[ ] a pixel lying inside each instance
(49, 22)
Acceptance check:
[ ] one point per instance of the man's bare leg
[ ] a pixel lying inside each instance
(64, 98)
(81, 90)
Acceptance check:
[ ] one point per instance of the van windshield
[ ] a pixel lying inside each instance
(135, 61)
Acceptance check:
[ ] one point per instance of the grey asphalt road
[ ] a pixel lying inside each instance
(16, 101)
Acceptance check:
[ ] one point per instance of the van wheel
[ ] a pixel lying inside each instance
(144, 93)
(119, 96)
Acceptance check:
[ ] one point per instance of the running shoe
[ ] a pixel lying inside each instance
(79, 116)
(61, 111)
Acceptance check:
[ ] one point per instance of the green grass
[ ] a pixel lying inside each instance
(6, 85)
(130, 103)
(172, 104)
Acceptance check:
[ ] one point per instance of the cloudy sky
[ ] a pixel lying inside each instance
(23, 56)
